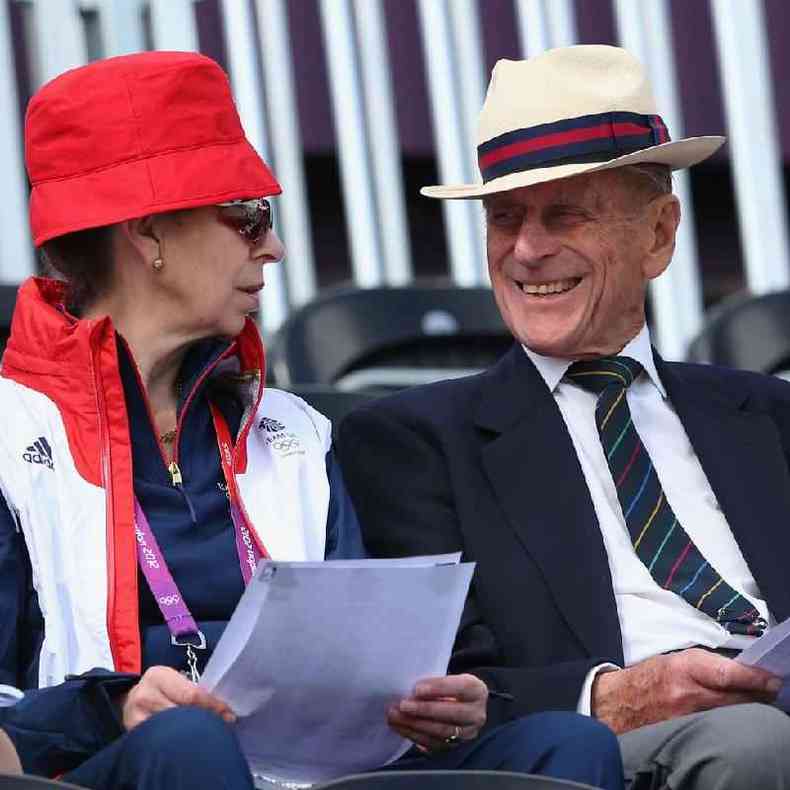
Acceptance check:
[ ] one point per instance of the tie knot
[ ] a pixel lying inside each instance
(596, 375)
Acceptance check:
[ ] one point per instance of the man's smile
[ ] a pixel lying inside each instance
(550, 287)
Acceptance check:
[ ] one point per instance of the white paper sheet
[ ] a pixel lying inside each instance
(772, 653)
(315, 653)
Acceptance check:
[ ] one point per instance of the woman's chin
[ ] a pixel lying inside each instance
(228, 325)
(233, 327)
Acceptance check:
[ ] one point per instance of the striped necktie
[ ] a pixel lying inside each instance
(659, 539)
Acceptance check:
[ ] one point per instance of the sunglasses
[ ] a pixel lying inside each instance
(252, 219)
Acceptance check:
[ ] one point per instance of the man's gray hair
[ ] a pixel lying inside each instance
(651, 179)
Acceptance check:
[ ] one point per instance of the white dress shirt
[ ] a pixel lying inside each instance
(652, 620)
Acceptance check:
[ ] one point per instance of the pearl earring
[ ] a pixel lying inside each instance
(158, 264)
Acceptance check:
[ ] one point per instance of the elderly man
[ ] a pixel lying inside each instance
(629, 516)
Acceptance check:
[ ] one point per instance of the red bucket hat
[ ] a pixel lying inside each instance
(135, 135)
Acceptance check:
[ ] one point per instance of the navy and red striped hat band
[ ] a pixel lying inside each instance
(589, 138)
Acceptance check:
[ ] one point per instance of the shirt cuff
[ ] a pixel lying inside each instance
(584, 706)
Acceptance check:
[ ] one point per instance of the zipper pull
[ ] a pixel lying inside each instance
(175, 474)
(177, 480)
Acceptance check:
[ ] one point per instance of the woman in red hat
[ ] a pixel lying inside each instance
(144, 473)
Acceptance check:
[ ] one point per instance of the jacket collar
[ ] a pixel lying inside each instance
(50, 350)
(46, 341)
(741, 450)
(532, 466)
(510, 390)
(530, 460)
(512, 387)
(552, 369)
(66, 359)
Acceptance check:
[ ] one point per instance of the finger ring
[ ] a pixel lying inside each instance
(451, 740)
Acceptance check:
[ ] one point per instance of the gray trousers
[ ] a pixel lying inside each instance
(730, 748)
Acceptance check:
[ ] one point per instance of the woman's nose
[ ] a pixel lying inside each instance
(270, 248)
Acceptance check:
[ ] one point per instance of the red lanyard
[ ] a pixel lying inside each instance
(251, 552)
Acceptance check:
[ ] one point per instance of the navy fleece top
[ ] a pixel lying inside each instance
(201, 550)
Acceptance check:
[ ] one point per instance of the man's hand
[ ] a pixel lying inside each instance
(161, 688)
(441, 708)
(672, 685)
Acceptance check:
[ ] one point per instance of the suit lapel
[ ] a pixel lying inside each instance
(741, 453)
(532, 465)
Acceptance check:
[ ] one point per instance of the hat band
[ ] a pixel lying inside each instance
(589, 138)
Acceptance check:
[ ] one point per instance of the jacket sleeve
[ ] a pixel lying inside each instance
(52, 729)
(11, 595)
(21, 624)
(343, 536)
(515, 691)
(55, 729)
(400, 484)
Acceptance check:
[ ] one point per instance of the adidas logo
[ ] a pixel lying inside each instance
(270, 426)
(39, 453)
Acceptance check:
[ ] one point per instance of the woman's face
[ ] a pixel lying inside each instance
(212, 277)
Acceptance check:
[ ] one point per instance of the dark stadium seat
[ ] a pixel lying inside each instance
(25, 782)
(331, 402)
(389, 337)
(747, 332)
(7, 302)
(450, 780)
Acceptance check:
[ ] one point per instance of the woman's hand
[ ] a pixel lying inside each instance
(161, 688)
(452, 707)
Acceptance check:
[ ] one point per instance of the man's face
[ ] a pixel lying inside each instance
(570, 260)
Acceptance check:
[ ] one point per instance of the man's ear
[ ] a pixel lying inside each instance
(664, 218)
(142, 236)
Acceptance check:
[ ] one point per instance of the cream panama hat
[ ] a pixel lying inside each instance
(570, 111)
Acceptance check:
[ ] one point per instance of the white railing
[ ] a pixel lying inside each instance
(746, 82)
(121, 25)
(353, 145)
(260, 63)
(545, 24)
(243, 67)
(16, 257)
(676, 295)
(396, 268)
(443, 45)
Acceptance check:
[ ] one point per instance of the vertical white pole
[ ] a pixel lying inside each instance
(676, 295)
(463, 219)
(355, 169)
(468, 52)
(384, 147)
(756, 158)
(544, 24)
(121, 24)
(16, 251)
(286, 149)
(173, 25)
(59, 39)
(562, 23)
(533, 27)
(243, 67)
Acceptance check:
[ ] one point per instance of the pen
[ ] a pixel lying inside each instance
(501, 695)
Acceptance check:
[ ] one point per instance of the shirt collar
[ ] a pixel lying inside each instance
(552, 369)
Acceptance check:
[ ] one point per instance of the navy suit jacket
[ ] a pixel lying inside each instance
(486, 465)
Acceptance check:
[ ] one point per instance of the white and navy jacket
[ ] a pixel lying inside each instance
(71, 597)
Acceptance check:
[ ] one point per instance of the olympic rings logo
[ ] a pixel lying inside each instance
(169, 600)
(285, 444)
